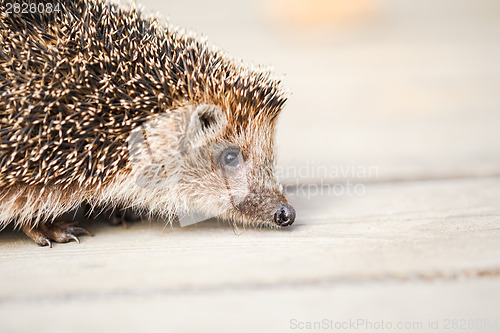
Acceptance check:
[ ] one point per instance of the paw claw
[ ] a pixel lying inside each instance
(81, 231)
(60, 232)
(75, 238)
(46, 241)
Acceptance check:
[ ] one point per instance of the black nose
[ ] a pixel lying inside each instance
(284, 216)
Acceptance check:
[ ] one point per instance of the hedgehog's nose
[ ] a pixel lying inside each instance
(284, 216)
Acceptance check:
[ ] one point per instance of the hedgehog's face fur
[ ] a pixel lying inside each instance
(212, 167)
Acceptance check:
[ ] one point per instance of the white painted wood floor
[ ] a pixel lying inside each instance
(404, 252)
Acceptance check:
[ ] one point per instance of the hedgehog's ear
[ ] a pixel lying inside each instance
(205, 121)
(210, 117)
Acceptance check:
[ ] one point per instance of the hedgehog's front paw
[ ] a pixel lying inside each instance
(60, 232)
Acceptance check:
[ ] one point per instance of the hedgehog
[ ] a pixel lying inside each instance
(101, 105)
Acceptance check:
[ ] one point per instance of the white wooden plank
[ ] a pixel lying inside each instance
(268, 309)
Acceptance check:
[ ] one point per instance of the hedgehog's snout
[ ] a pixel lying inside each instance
(285, 215)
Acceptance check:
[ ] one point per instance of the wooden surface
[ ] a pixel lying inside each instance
(410, 251)
(413, 91)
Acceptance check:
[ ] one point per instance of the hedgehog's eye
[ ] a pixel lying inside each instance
(230, 157)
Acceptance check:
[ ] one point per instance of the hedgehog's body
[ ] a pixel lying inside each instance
(75, 86)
